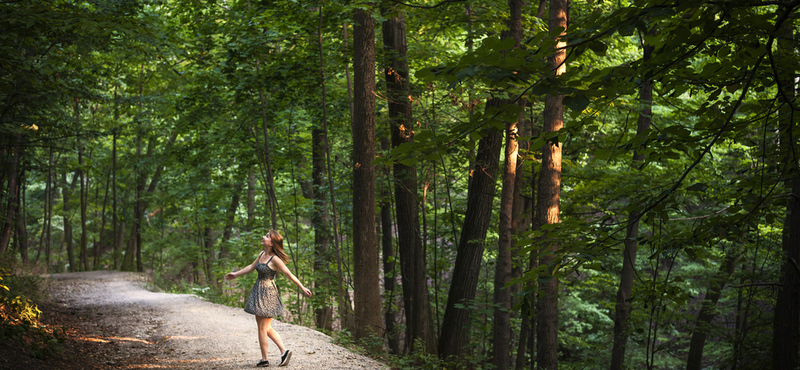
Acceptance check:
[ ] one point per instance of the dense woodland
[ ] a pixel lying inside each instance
(598, 184)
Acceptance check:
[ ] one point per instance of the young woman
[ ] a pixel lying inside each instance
(265, 301)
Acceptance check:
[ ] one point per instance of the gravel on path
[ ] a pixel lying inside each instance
(184, 331)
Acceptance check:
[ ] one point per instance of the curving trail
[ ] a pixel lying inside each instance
(184, 331)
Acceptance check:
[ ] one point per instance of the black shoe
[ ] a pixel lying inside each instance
(285, 358)
(262, 363)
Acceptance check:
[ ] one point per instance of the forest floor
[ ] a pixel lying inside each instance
(113, 322)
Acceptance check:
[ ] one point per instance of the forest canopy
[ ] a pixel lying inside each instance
(578, 184)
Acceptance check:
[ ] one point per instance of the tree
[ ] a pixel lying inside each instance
(365, 247)
(412, 256)
(547, 202)
(626, 280)
(501, 332)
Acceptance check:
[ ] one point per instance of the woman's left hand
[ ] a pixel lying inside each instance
(306, 291)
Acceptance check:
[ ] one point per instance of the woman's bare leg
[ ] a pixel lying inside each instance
(273, 334)
(264, 325)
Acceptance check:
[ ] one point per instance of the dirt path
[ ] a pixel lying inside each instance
(183, 331)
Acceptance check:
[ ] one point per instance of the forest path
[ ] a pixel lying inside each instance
(183, 331)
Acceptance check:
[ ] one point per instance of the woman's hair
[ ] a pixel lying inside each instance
(277, 245)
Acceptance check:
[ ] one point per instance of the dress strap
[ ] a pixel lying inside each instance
(270, 259)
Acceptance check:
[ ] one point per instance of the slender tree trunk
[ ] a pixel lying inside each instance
(786, 328)
(116, 252)
(522, 217)
(412, 256)
(342, 296)
(66, 192)
(83, 198)
(230, 218)
(389, 274)
(251, 199)
(323, 315)
(22, 228)
(549, 194)
(119, 245)
(501, 331)
(5, 239)
(138, 209)
(365, 253)
(98, 247)
(708, 312)
(50, 199)
(208, 240)
(623, 304)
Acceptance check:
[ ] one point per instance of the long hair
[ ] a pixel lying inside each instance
(277, 246)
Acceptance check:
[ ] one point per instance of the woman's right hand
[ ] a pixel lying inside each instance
(230, 276)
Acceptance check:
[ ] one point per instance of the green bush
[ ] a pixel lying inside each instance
(19, 316)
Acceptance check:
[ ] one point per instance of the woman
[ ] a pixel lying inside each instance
(265, 301)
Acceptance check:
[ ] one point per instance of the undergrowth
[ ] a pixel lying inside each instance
(19, 315)
(374, 347)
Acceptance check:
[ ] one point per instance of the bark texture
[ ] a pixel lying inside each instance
(548, 197)
(323, 314)
(389, 274)
(412, 255)
(501, 331)
(480, 194)
(366, 293)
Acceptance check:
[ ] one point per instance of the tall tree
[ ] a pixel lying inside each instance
(548, 200)
(480, 195)
(5, 239)
(501, 331)
(786, 327)
(66, 193)
(412, 256)
(623, 304)
(389, 273)
(366, 295)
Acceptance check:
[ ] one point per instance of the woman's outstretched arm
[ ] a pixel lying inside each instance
(246, 270)
(285, 270)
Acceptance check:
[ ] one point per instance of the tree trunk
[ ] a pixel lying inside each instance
(389, 274)
(501, 331)
(230, 218)
(547, 203)
(50, 200)
(251, 199)
(365, 253)
(208, 240)
(342, 297)
(98, 252)
(22, 228)
(116, 251)
(455, 335)
(521, 222)
(412, 256)
(84, 260)
(708, 312)
(623, 304)
(66, 192)
(323, 315)
(5, 239)
(785, 339)
(119, 244)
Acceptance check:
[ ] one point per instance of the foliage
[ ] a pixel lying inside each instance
(19, 317)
